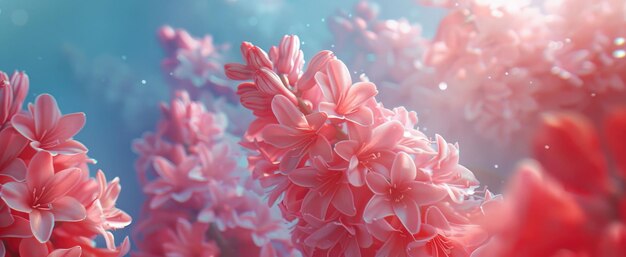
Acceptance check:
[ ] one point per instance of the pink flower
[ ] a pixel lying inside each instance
(189, 122)
(194, 64)
(400, 195)
(296, 132)
(344, 100)
(177, 182)
(103, 213)
(43, 196)
(328, 185)
(369, 149)
(335, 237)
(190, 241)
(11, 167)
(288, 58)
(12, 94)
(48, 130)
(32, 248)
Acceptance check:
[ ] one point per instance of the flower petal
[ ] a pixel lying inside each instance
(68, 126)
(403, 169)
(424, 193)
(40, 170)
(24, 124)
(68, 209)
(75, 251)
(358, 94)
(344, 200)
(31, 248)
(362, 116)
(339, 79)
(377, 183)
(408, 213)
(46, 114)
(287, 113)
(16, 196)
(41, 223)
(69, 147)
(377, 208)
(61, 183)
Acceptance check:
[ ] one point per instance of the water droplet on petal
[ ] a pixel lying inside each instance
(323, 20)
(143, 82)
(546, 147)
(619, 53)
(443, 86)
(619, 41)
(593, 94)
(495, 166)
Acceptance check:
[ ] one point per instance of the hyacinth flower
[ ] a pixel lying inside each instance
(49, 206)
(570, 202)
(200, 200)
(196, 66)
(505, 62)
(382, 178)
(388, 51)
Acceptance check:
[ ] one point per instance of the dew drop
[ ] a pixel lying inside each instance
(443, 86)
(546, 147)
(495, 166)
(619, 53)
(619, 41)
(332, 46)
(568, 40)
(124, 57)
(143, 82)
(323, 19)
(593, 94)
(308, 25)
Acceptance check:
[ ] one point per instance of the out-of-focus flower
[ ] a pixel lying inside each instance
(200, 201)
(568, 204)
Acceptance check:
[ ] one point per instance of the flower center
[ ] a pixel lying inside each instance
(440, 246)
(37, 197)
(396, 194)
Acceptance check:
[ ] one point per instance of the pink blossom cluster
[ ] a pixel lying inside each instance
(388, 51)
(194, 64)
(572, 201)
(49, 205)
(495, 65)
(200, 200)
(358, 179)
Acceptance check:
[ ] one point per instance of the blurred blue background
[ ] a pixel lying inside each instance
(103, 57)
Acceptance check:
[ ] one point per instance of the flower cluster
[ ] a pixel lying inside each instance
(49, 206)
(572, 201)
(503, 62)
(388, 51)
(358, 179)
(200, 200)
(194, 64)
